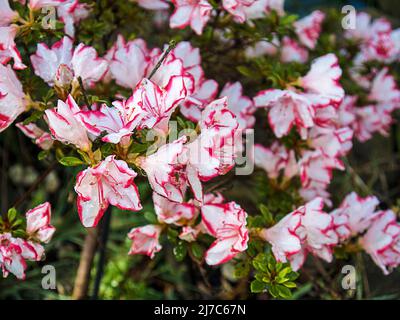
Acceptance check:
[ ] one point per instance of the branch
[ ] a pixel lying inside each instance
(172, 45)
(81, 285)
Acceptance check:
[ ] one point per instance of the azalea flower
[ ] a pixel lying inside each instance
(275, 159)
(6, 14)
(172, 212)
(164, 170)
(287, 108)
(66, 126)
(38, 4)
(316, 233)
(322, 81)
(12, 97)
(40, 137)
(116, 121)
(384, 90)
(309, 28)
(354, 215)
(8, 49)
(262, 48)
(212, 153)
(145, 240)
(345, 112)
(109, 182)
(153, 4)
(169, 68)
(71, 12)
(283, 237)
(154, 105)
(240, 105)
(292, 51)
(195, 13)
(331, 141)
(377, 39)
(204, 90)
(15, 251)
(11, 259)
(227, 223)
(371, 119)
(129, 62)
(38, 223)
(237, 8)
(53, 64)
(317, 166)
(382, 241)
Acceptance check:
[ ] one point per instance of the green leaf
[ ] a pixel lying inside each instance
(17, 223)
(12, 215)
(138, 148)
(180, 251)
(172, 235)
(269, 219)
(19, 233)
(43, 155)
(197, 250)
(150, 217)
(284, 292)
(257, 286)
(70, 161)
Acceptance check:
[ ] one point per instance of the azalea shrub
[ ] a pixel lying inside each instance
(218, 137)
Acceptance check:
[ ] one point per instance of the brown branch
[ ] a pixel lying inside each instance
(81, 285)
(35, 185)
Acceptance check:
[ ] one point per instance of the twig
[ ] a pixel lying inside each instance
(171, 46)
(36, 184)
(102, 258)
(84, 92)
(81, 285)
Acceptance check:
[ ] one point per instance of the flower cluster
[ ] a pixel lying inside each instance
(131, 114)
(18, 246)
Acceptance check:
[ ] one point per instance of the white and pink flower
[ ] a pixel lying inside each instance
(321, 83)
(287, 108)
(7, 15)
(275, 160)
(66, 126)
(129, 62)
(382, 241)
(154, 105)
(354, 215)
(38, 223)
(308, 28)
(316, 233)
(240, 105)
(71, 12)
(42, 138)
(109, 182)
(165, 171)
(170, 212)
(52, 64)
(116, 121)
(315, 166)
(283, 237)
(12, 97)
(153, 4)
(227, 223)
(213, 152)
(8, 49)
(195, 13)
(145, 240)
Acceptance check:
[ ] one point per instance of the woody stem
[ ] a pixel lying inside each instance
(81, 285)
(171, 46)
